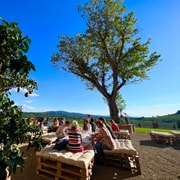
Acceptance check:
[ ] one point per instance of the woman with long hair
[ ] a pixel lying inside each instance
(75, 138)
(103, 141)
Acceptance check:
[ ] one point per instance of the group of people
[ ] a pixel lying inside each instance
(99, 133)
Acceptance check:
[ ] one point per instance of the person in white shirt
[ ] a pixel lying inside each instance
(87, 129)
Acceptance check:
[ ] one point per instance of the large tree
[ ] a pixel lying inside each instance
(109, 54)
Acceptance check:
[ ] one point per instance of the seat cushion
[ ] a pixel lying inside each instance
(123, 146)
(79, 159)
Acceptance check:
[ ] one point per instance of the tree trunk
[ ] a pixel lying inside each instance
(114, 112)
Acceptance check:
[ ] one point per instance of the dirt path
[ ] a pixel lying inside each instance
(157, 161)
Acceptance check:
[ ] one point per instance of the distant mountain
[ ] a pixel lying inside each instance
(72, 115)
(60, 114)
(67, 114)
(76, 115)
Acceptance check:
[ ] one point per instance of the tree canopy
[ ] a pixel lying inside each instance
(14, 73)
(14, 64)
(110, 54)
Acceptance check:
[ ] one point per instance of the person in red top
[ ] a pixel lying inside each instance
(114, 125)
(75, 138)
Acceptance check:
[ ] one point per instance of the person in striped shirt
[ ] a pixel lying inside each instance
(75, 138)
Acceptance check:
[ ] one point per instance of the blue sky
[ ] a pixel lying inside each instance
(44, 21)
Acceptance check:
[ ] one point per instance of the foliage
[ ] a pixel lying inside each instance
(109, 54)
(14, 73)
(178, 124)
(14, 65)
(120, 102)
(169, 121)
(13, 129)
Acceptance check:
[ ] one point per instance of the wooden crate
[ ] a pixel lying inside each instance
(52, 168)
(49, 138)
(123, 161)
(162, 137)
(122, 134)
(176, 136)
(129, 127)
(124, 156)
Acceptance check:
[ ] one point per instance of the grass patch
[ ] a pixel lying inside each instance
(148, 130)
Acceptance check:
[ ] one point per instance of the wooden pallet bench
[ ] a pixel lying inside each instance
(176, 136)
(162, 137)
(129, 127)
(49, 138)
(124, 156)
(64, 165)
(122, 134)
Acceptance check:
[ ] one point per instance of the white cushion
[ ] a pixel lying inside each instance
(166, 134)
(123, 146)
(79, 159)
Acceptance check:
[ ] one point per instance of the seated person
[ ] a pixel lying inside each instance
(54, 126)
(93, 124)
(46, 121)
(87, 129)
(103, 141)
(108, 127)
(75, 138)
(61, 132)
(114, 125)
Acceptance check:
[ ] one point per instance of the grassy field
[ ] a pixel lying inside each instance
(148, 130)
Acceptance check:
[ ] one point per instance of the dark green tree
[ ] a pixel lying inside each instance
(178, 124)
(14, 73)
(14, 64)
(174, 126)
(109, 55)
(139, 125)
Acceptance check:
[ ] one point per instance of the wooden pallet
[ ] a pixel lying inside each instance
(49, 138)
(176, 136)
(122, 134)
(51, 169)
(123, 161)
(129, 127)
(162, 137)
(124, 156)
(54, 168)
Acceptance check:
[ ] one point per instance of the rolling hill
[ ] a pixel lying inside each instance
(170, 121)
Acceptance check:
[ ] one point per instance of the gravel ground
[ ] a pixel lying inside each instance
(157, 161)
